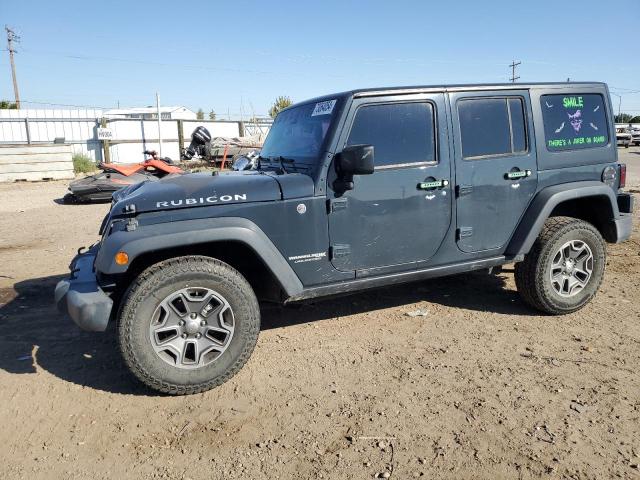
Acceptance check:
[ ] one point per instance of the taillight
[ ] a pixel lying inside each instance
(623, 175)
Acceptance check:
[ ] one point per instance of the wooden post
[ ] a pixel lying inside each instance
(180, 139)
(241, 129)
(106, 154)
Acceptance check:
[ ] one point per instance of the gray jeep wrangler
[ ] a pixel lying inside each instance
(353, 191)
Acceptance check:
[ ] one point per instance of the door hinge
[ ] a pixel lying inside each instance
(336, 204)
(462, 190)
(336, 251)
(464, 232)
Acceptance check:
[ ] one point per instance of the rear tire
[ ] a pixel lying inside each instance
(188, 324)
(565, 267)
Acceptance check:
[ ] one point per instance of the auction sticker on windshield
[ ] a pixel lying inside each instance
(324, 108)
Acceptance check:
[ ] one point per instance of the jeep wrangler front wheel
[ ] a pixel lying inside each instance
(564, 269)
(188, 324)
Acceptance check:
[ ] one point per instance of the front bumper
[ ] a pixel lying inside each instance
(81, 298)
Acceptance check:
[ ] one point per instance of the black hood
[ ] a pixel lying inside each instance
(204, 189)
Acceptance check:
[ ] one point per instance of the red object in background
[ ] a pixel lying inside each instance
(154, 163)
(224, 157)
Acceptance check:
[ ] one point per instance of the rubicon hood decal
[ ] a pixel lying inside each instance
(201, 189)
(238, 197)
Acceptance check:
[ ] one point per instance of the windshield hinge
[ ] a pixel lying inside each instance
(336, 204)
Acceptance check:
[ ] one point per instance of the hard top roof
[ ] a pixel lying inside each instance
(365, 92)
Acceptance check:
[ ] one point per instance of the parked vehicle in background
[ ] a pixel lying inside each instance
(635, 134)
(100, 186)
(352, 191)
(623, 135)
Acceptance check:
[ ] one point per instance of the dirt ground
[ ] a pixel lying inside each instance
(479, 387)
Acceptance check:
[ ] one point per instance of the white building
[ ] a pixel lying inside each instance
(151, 113)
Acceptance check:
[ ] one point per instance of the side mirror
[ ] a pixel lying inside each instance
(353, 160)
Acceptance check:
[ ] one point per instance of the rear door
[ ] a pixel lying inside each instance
(496, 170)
(401, 213)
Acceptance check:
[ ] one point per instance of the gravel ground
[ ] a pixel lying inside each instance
(480, 386)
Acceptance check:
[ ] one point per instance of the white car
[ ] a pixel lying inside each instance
(623, 135)
(635, 134)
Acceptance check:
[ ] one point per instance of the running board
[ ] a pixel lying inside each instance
(403, 277)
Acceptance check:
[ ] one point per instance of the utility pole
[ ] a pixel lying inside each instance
(11, 38)
(513, 71)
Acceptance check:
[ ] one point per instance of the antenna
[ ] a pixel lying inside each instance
(513, 71)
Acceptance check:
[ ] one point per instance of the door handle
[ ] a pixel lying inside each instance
(432, 184)
(516, 174)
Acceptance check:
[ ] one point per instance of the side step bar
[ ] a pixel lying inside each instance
(403, 277)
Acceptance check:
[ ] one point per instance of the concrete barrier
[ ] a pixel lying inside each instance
(35, 162)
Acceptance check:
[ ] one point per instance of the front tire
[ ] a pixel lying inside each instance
(565, 267)
(188, 324)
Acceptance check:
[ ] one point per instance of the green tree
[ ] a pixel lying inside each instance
(281, 103)
(200, 114)
(6, 104)
(623, 118)
(212, 115)
(635, 119)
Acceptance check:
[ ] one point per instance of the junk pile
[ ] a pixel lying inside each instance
(219, 149)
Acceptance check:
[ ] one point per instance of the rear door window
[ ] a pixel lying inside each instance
(492, 127)
(573, 122)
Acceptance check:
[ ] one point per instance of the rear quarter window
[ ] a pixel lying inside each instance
(574, 122)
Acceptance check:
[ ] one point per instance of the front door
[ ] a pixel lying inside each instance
(496, 169)
(400, 214)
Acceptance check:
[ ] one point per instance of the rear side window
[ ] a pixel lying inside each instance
(492, 127)
(573, 122)
(400, 133)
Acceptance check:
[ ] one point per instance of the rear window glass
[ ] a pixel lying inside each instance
(400, 132)
(492, 127)
(573, 122)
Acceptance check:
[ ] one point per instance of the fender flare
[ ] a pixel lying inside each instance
(149, 238)
(543, 204)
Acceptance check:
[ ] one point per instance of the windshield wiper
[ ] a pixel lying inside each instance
(279, 160)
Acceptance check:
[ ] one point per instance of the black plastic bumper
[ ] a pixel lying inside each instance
(81, 298)
(623, 223)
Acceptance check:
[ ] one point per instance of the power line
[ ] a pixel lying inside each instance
(11, 38)
(513, 71)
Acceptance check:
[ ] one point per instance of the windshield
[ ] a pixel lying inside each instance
(299, 132)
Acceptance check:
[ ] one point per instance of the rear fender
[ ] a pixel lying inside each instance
(546, 201)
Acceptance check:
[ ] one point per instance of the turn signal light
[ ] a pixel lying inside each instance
(623, 175)
(121, 258)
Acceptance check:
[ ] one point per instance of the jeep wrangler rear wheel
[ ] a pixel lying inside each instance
(188, 324)
(564, 268)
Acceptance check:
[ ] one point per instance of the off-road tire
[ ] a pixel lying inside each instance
(146, 292)
(532, 275)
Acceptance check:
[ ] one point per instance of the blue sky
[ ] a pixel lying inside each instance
(237, 56)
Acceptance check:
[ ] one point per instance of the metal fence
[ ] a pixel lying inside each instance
(130, 137)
